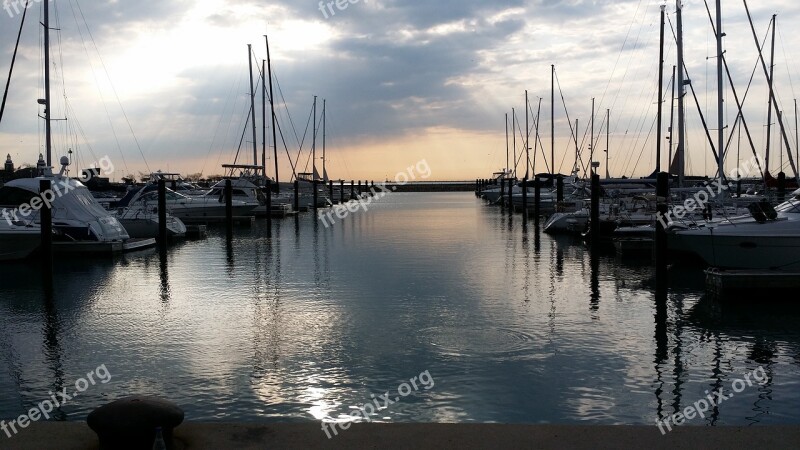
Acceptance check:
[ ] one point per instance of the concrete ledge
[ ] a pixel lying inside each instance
(191, 436)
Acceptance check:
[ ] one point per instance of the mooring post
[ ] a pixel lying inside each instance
(359, 188)
(595, 217)
(781, 187)
(560, 189)
(352, 189)
(341, 191)
(537, 200)
(662, 199)
(269, 207)
(162, 213)
(525, 197)
(296, 195)
(502, 193)
(46, 230)
(330, 188)
(315, 194)
(229, 206)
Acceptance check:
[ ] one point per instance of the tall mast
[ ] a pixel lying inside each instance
(553, 117)
(771, 92)
(264, 119)
(671, 122)
(720, 97)
(796, 132)
(774, 99)
(324, 120)
(527, 139)
(508, 167)
(577, 150)
(591, 140)
(608, 140)
(314, 144)
(47, 127)
(681, 155)
(659, 143)
(514, 135)
(252, 104)
(272, 108)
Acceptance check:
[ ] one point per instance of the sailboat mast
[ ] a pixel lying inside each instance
(508, 167)
(324, 120)
(577, 150)
(681, 149)
(263, 119)
(252, 103)
(608, 140)
(553, 117)
(314, 145)
(771, 92)
(720, 97)
(514, 134)
(47, 126)
(527, 139)
(671, 122)
(773, 98)
(591, 140)
(660, 90)
(272, 109)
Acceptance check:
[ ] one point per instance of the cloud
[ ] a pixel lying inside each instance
(390, 70)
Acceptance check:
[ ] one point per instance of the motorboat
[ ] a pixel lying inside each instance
(76, 215)
(142, 222)
(183, 207)
(767, 238)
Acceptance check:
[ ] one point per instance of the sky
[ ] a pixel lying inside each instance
(163, 85)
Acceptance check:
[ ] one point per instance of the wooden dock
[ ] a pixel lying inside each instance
(750, 283)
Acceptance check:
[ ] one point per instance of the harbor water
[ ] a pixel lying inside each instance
(461, 312)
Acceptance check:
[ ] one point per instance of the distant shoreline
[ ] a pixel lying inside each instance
(433, 186)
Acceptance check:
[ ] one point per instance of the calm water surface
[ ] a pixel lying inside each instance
(513, 327)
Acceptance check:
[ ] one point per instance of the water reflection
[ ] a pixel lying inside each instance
(309, 323)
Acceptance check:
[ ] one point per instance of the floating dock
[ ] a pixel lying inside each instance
(740, 283)
(211, 220)
(102, 248)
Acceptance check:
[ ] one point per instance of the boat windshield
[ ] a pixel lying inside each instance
(791, 207)
(15, 197)
(153, 196)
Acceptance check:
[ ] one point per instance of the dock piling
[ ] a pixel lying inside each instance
(46, 231)
(341, 191)
(503, 193)
(316, 194)
(162, 213)
(229, 206)
(525, 197)
(296, 195)
(662, 197)
(537, 200)
(269, 208)
(330, 188)
(595, 217)
(560, 189)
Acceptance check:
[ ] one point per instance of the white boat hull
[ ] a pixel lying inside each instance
(747, 246)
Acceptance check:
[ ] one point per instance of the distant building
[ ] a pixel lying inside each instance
(9, 168)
